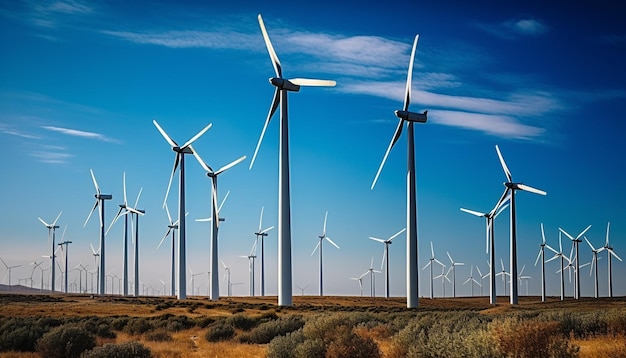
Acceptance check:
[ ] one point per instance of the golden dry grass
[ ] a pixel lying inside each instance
(602, 347)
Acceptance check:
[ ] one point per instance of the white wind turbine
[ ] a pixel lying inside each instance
(180, 160)
(96, 255)
(471, 280)
(443, 277)
(594, 265)
(171, 228)
(214, 261)
(100, 199)
(302, 289)
(431, 264)
(490, 240)
(521, 278)
(575, 242)
(386, 257)
(610, 252)
(452, 268)
(504, 273)
(260, 236)
(371, 271)
(283, 86)
(136, 213)
(559, 254)
(320, 245)
(480, 275)
(511, 188)
(227, 279)
(360, 279)
(410, 118)
(9, 268)
(251, 258)
(193, 279)
(66, 243)
(542, 255)
(51, 234)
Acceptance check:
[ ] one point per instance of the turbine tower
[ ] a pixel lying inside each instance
(136, 213)
(610, 252)
(452, 268)
(100, 199)
(214, 262)
(51, 234)
(371, 271)
(171, 227)
(431, 264)
(251, 258)
(491, 241)
(471, 280)
(182, 242)
(283, 86)
(404, 115)
(260, 236)
(511, 187)
(320, 244)
(575, 242)
(66, 243)
(594, 265)
(386, 257)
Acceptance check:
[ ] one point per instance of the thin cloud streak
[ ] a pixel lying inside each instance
(79, 133)
(52, 157)
(496, 125)
(190, 39)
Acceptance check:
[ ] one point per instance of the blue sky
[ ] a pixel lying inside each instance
(82, 81)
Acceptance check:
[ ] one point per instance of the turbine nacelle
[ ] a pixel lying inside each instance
(284, 84)
(412, 116)
(183, 150)
(103, 197)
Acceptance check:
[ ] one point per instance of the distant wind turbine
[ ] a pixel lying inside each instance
(214, 262)
(541, 255)
(360, 280)
(575, 242)
(594, 265)
(320, 245)
(180, 159)
(412, 279)
(431, 264)
(171, 228)
(9, 268)
(302, 289)
(452, 269)
(66, 243)
(371, 271)
(51, 235)
(504, 273)
(283, 86)
(559, 254)
(251, 258)
(260, 236)
(512, 187)
(386, 257)
(100, 199)
(471, 280)
(610, 252)
(443, 277)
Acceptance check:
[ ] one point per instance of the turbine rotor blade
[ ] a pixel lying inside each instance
(164, 236)
(543, 235)
(592, 248)
(476, 213)
(202, 163)
(377, 239)
(261, 219)
(266, 230)
(583, 233)
(566, 234)
(219, 209)
(313, 82)
(43, 222)
(324, 228)
(531, 189)
(169, 140)
(137, 200)
(198, 135)
(394, 139)
(316, 246)
(273, 108)
(230, 165)
(407, 94)
(91, 212)
(537, 259)
(169, 184)
(57, 219)
(169, 217)
(95, 183)
(396, 234)
(270, 49)
(331, 241)
(507, 172)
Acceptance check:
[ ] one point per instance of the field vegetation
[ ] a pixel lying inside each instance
(86, 326)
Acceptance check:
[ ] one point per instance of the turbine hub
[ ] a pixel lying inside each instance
(412, 116)
(284, 84)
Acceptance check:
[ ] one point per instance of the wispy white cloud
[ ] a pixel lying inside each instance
(190, 39)
(493, 124)
(513, 28)
(79, 133)
(18, 133)
(52, 157)
(70, 7)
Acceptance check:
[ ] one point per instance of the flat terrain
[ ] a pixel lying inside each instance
(191, 342)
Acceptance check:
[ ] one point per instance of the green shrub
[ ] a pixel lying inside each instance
(526, 338)
(138, 326)
(65, 342)
(241, 321)
(204, 322)
(158, 335)
(122, 350)
(119, 323)
(349, 344)
(283, 346)
(219, 331)
(265, 332)
(310, 348)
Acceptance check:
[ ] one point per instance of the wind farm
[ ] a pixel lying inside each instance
(318, 155)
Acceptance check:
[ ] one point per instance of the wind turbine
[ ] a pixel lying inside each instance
(503, 273)
(360, 279)
(171, 227)
(51, 234)
(452, 268)
(180, 159)
(511, 187)
(283, 86)
(543, 263)
(136, 213)
(471, 280)
(100, 199)
(193, 279)
(96, 254)
(594, 265)
(371, 271)
(575, 242)
(214, 263)
(610, 251)
(559, 254)
(431, 263)
(320, 244)
(302, 289)
(260, 236)
(411, 216)
(521, 279)
(480, 275)
(386, 257)
(251, 258)
(491, 241)
(66, 243)
(9, 268)
(443, 277)
(227, 278)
